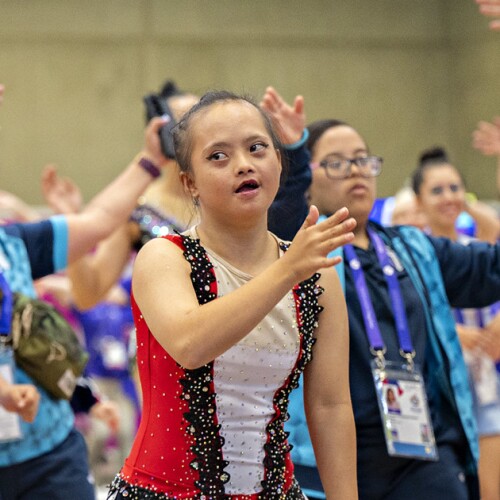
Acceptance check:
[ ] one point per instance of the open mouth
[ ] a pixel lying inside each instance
(246, 186)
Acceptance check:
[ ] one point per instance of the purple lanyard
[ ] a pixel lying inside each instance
(6, 308)
(369, 318)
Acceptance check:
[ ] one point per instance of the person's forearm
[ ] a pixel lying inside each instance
(487, 221)
(334, 440)
(86, 288)
(3, 385)
(107, 210)
(94, 275)
(213, 328)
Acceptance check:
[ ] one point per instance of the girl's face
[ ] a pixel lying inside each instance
(355, 192)
(442, 196)
(235, 170)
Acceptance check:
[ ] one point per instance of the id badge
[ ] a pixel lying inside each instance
(10, 426)
(404, 411)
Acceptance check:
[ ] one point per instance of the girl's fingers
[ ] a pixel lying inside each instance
(298, 105)
(311, 219)
(334, 220)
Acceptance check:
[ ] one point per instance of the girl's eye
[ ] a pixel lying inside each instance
(217, 156)
(259, 146)
(437, 190)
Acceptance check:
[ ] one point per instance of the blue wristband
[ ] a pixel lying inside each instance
(300, 142)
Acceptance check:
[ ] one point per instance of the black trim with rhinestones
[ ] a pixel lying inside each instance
(198, 389)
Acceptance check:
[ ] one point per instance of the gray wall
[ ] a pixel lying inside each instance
(408, 74)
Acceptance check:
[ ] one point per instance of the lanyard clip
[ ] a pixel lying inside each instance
(379, 356)
(409, 359)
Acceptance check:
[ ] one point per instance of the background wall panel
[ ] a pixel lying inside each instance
(407, 74)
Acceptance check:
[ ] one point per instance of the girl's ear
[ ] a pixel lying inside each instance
(189, 185)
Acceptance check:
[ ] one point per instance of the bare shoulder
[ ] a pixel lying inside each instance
(160, 253)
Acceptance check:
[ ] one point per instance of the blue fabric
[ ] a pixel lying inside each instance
(34, 245)
(60, 229)
(28, 250)
(104, 325)
(289, 209)
(447, 364)
(61, 474)
(416, 479)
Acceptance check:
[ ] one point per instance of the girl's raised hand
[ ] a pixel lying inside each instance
(61, 194)
(290, 121)
(314, 241)
(152, 145)
(486, 138)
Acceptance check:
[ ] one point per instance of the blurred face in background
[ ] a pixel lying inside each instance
(441, 197)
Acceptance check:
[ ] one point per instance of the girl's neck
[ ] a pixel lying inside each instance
(249, 249)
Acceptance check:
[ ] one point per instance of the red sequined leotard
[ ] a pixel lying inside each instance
(217, 432)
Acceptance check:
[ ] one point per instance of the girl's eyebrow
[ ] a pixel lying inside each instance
(215, 145)
(223, 144)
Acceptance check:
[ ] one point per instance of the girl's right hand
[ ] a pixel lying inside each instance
(152, 144)
(314, 241)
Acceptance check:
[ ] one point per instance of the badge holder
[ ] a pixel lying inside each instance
(399, 385)
(10, 424)
(404, 409)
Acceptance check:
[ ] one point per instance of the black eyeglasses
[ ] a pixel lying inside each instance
(368, 166)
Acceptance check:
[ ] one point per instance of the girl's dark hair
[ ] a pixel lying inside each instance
(183, 143)
(318, 128)
(429, 158)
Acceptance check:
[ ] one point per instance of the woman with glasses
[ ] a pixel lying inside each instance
(440, 193)
(399, 284)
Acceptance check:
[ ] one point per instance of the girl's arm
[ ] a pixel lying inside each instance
(195, 335)
(487, 221)
(327, 396)
(94, 275)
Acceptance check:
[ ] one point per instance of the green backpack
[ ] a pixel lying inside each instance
(46, 346)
